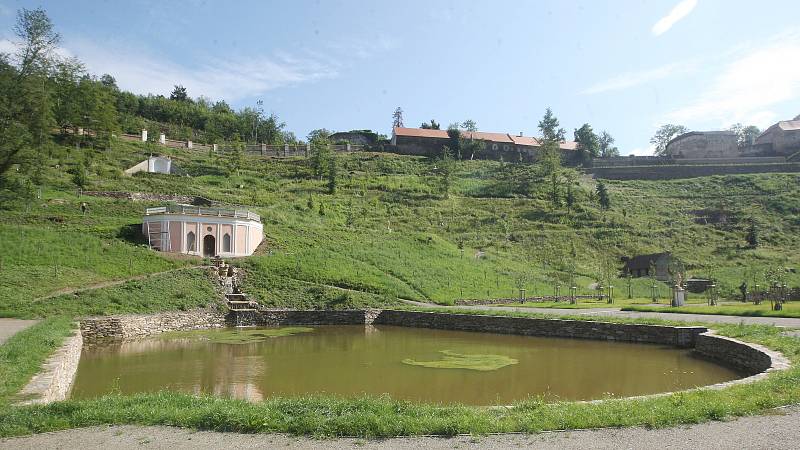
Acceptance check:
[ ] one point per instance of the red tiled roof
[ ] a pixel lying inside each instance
(420, 132)
(491, 137)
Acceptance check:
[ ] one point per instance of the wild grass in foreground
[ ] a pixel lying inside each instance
(383, 416)
(22, 355)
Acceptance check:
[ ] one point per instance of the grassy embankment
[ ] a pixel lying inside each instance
(382, 416)
(388, 233)
(790, 309)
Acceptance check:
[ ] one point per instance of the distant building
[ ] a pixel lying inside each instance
(641, 265)
(200, 231)
(154, 164)
(704, 144)
(783, 137)
(780, 140)
(426, 142)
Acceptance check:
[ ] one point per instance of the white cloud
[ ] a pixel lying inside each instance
(747, 89)
(681, 10)
(229, 78)
(632, 79)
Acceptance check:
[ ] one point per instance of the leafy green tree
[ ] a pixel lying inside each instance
(320, 151)
(605, 140)
(549, 127)
(602, 195)
(332, 174)
(663, 135)
(179, 94)
(397, 118)
(549, 155)
(752, 234)
(472, 146)
(433, 125)
(469, 125)
(235, 159)
(454, 144)
(588, 145)
(745, 135)
(26, 116)
(445, 166)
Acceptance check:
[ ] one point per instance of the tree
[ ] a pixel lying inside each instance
(26, 113)
(471, 146)
(445, 166)
(752, 234)
(665, 134)
(745, 135)
(332, 173)
(588, 144)
(397, 118)
(454, 135)
(434, 125)
(606, 150)
(109, 82)
(549, 127)
(602, 195)
(179, 94)
(320, 151)
(469, 125)
(549, 155)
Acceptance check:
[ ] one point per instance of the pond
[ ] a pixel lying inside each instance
(418, 364)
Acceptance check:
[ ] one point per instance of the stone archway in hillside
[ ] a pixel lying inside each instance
(209, 245)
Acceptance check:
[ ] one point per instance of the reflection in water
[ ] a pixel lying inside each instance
(352, 360)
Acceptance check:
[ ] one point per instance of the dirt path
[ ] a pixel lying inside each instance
(709, 318)
(777, 430)
(108, 283)
(10, 327)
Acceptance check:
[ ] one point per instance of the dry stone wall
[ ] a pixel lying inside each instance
(118, 328)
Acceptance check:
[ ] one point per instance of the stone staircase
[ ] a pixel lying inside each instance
(228, 278)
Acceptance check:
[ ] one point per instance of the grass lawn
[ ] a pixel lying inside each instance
(790, 309)
(321, 415)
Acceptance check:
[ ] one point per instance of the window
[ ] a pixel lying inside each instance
(494, 146)
(226, 243)
(190, 242)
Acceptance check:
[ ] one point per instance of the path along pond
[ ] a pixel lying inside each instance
(435, 366)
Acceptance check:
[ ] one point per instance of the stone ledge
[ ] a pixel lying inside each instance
(54, 381)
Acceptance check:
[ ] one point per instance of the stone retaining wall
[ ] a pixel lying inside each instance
(310, 317)
(654, 334)
(54, 382)
(118, 328)
(740, 355)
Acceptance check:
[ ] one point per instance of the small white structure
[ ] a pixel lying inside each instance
(153, 164)
(201, 231)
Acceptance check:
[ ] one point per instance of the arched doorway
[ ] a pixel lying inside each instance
(209, 246)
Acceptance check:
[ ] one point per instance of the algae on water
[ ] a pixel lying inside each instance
(237, 336)
(453, 360)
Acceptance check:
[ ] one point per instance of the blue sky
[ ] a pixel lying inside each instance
(623, 66)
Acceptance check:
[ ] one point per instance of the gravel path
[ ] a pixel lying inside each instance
(9, 327)
(778, 430)
(710, 318)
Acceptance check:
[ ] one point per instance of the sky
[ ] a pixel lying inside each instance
(624, 66)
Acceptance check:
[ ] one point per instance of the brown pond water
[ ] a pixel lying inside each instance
(351, 360)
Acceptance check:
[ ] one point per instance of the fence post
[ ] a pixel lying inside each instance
(285, 149)
(263, 149)
(144, 134)
(348, 147)
(308, 150)
(188, 144)
(162, 139)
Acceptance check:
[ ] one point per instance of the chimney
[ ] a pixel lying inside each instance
(520, 134)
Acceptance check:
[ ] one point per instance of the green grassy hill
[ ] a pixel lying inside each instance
(387, 233)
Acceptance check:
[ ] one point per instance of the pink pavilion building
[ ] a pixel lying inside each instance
(195, 230)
